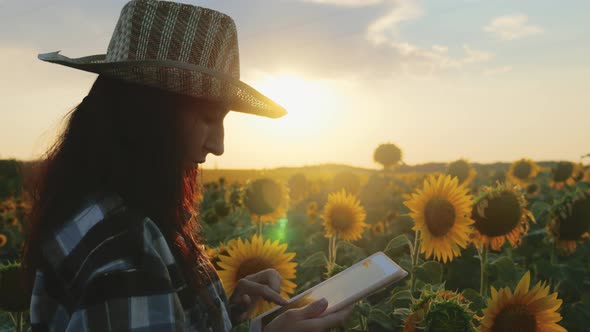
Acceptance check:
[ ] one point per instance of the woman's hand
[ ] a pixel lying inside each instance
(306, 318)
(265, 284)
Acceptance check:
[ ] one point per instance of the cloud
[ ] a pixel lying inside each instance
(385, 27)
(497, 70)
(413, 58)
(388, 54)
(347, 3)
(472, 56)
(509, 27)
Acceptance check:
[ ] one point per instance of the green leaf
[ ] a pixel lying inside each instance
(404, 294)
(540, 209)
(405, 262)
(401, 312)
(430, 272)
(364, 308)
(356, 253)
(504, 270)
(246, 230)
(317, 259)
(477, 301)
(536, 232)
(381, 318)
(398, 242)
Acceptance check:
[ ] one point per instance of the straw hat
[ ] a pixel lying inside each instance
(178, 47)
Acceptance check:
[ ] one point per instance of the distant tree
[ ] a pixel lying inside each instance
(388, 155)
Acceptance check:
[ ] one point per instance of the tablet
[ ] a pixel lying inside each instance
(347, 287)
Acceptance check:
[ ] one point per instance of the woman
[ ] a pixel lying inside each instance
(113, 243)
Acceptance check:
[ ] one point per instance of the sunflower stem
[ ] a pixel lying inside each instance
(509, 251)
(363, 322)
(415, 254)
(12, 318)
(19, 321)
(553, 261)
(332, 252)
(259, 226)
(483, 259)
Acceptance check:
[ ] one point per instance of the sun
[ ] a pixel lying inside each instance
(312, 104)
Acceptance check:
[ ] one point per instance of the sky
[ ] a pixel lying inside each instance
(485, 80)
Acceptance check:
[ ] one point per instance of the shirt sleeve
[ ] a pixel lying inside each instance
(121, 279)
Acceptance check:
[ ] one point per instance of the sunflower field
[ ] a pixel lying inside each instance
(497, 247)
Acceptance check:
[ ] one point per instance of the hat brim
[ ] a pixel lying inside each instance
(179, 77)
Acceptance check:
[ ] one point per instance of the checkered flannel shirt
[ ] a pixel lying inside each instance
(109, 269)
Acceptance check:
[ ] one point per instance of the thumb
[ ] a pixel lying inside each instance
(313, 309)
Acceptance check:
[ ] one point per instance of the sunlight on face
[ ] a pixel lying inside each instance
(311, 104)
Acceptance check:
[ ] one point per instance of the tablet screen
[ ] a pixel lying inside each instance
(342, 286)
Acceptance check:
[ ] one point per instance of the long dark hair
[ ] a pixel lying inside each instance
(122, 138)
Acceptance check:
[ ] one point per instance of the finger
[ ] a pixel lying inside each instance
(243, 307)
(270, 277)
(334, 319)
(253, 288)
(311, 310)
(244, 316)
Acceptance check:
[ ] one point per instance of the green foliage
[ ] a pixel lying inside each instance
(11, 181)
(430, 272)
(14, 296)
(225, 213)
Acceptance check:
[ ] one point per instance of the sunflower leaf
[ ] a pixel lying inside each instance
(504, 271)
(540, 209)
(403, 294)
(381, 318)
(477, 301)
(350, 250)
(317, 259)
(430, 272)
(398, 242)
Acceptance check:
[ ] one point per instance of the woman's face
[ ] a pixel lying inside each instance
(203, 131)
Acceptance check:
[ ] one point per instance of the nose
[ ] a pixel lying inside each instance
(214, 143)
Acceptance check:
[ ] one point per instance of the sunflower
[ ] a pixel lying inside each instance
(343, 216)
(462, 170)
(3, 240)
(442, 216)
(213, 253)
(524, 310)
(521, 171)
(8, 205)
(390, 218)
(564, 173)
(312, 212)
(586, 176)
(500, 214)
(533, 190)
(571, 223)
(440, 311)
(267, 200)
(378, 228)
(248, 257)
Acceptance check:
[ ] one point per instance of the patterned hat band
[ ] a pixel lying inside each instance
(177, 47)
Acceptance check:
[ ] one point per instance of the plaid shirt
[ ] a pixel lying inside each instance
(109, 269)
